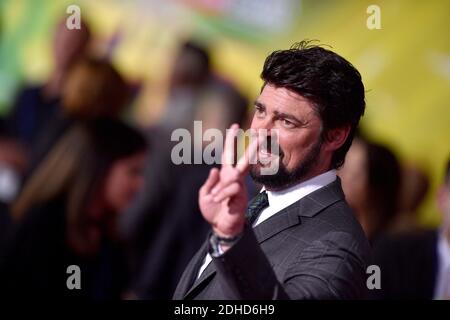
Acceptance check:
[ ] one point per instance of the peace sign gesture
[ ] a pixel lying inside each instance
(223, 197)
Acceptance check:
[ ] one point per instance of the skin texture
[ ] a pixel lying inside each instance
(223, 197)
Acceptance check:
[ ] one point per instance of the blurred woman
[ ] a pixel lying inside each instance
(66, 214)
(371, 179)
(93, 89)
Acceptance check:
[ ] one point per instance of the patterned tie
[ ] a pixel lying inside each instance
(258, 204)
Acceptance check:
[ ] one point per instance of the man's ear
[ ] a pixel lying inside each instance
(335, 138)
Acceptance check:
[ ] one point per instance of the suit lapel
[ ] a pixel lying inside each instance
(208, 273)
(282, 220)
(189, 278)
(308, 206)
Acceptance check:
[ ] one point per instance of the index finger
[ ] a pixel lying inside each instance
(248, 157)
(228, 150)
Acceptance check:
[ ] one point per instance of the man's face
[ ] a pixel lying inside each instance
(299, 132)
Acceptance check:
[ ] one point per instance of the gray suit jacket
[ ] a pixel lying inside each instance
(313, 249)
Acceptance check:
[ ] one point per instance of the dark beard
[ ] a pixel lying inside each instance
(283, 178)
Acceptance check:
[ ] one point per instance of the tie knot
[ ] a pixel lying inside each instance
(258, 204)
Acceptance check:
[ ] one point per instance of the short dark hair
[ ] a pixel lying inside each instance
(330, 82)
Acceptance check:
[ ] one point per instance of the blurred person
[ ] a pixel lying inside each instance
(37, 105)
(371, 184)
(220, 105)
(12, 166)
(66, 215)
(164, 227)
(93, 89)
(298, 238)
(416, 264)
(190, 75)
(414, 188)
(13, 163)
(166, 212)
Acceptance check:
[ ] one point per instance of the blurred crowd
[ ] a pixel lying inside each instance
(81, 184)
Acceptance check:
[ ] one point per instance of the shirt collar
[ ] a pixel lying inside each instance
(279, 200)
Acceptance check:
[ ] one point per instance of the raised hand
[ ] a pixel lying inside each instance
(223, 197)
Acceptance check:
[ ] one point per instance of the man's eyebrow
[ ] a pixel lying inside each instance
(259, 104)
(282, 115)
(288, 116)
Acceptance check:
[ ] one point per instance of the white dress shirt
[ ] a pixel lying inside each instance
(442, 287)
(278, 200)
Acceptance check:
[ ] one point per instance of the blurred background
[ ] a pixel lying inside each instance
(405, 65)
(155, 55)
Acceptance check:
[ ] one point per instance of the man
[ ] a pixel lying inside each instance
(298, 238)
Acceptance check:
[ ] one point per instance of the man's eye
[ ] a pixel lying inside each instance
(259, 110)
(287, 123)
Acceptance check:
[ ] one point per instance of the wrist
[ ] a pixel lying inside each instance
(220, 244)
(228, 233)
